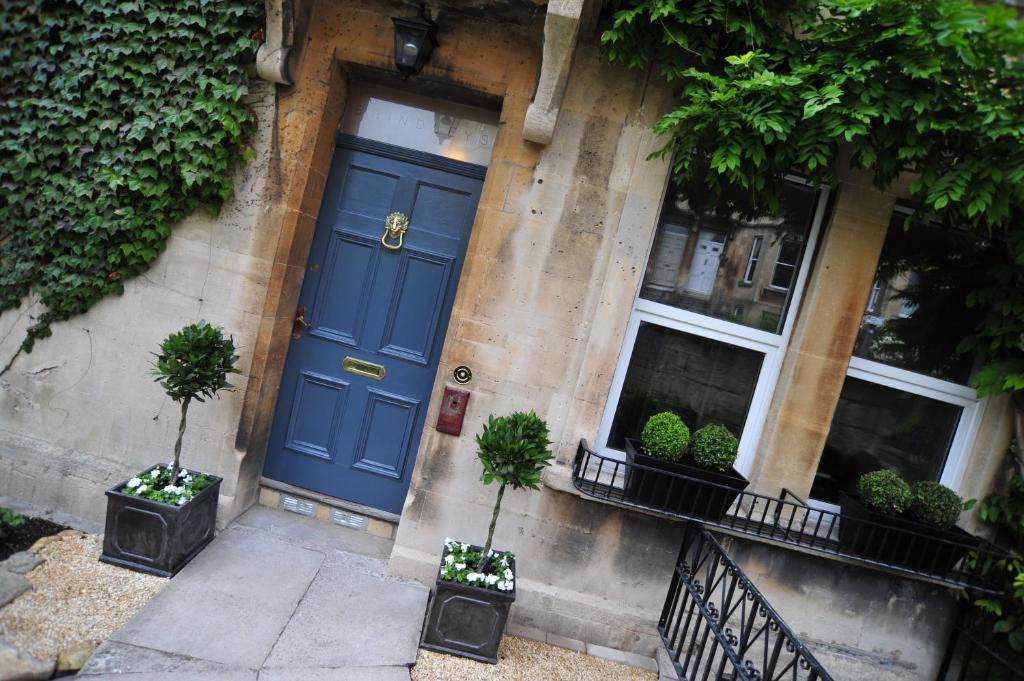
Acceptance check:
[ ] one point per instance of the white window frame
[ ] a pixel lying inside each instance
(775, 267)
(753, 259)
(772, 345)
(937, 389)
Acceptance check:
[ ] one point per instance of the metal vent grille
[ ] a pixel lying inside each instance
(297, 505)
(356, 522)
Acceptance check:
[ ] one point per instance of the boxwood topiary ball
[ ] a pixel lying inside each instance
(934, 504)
(714, 447)
(884, 491)
(665, 436)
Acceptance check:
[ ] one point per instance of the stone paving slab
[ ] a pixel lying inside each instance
(231, 675)
(230, 604)
(22, 562)
(347, 674)
(113, 658)
(349, 619)
(275, 597)
(314, 534)
(12, 585)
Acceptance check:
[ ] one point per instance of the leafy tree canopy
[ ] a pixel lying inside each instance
(117, 118)
(933, 88)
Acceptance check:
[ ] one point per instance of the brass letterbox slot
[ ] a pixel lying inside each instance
(361, 368)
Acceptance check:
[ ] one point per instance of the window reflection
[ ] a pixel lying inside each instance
(876, 427)
(729, 267)
(917, 313)
(702, 380)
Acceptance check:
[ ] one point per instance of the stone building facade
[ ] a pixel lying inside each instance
(586, 293)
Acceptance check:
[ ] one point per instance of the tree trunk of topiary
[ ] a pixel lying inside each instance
(177, 445)
(490, 532)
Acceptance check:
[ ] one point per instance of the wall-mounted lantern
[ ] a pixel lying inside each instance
(415, 39)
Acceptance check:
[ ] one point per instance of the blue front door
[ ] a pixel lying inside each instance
(357, 380)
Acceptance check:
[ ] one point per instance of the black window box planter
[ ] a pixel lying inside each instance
(709, 495)
(154, 537)
(899, 541)
(468, 621)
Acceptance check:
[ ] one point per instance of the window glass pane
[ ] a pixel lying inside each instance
(457, 131)
(699, 261)
(916, 313)
(702, 380)
(875, 427)
(755, 254)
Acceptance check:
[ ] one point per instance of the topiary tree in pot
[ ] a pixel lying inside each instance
(477, 584)
(160, 519)
(912, 526)
(670, 471)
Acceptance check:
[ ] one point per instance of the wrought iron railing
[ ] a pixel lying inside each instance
(787, 521)
(717, 625)
(975, 653)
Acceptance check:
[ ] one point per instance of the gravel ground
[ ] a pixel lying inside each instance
(75, 598)
(523, 660)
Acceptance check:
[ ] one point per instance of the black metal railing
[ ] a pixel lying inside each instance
(717, 626)
(787, 521)
(976, 653)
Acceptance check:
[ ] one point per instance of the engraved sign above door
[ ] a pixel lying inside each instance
(379, 288)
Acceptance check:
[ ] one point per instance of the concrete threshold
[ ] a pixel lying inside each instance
(280, 495)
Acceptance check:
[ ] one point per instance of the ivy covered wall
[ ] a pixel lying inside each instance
(117, 119)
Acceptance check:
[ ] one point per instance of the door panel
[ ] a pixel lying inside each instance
(411, 326)
(383, 442)
(350, 265)
(350, 435)
(316, 411)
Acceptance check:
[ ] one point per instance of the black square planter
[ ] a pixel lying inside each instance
(154, 537)
(691, 498)
(468, 621)
(899, 541)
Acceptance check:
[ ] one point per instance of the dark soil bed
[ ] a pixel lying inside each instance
(19, 538)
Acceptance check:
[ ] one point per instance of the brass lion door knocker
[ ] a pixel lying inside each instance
(395, 227)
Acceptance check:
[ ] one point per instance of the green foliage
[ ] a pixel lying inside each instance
(884, 491)
(9, 518)
(1005, 512)
(117, 119)
(156, 485)
(514, 449)
(665, 436)
(462, 564)
(934, 504)
(929, 87)
(714, 447)
(195, 362)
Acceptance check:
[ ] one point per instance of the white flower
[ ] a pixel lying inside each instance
(449, 559)
(134, 482)
(465, 547)
(460, 566)
(141, 489)
(154, 473)
(491, 579)
(474, 577)
(188, 478)
(182, 501)
(170, 489)
(505, 586)
(183, 473)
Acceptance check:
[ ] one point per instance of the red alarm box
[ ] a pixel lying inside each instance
(453, 410)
